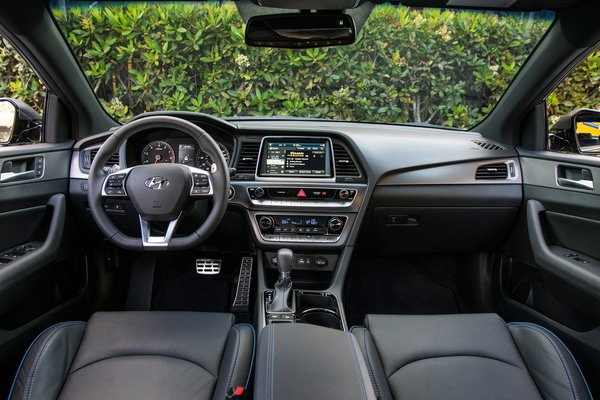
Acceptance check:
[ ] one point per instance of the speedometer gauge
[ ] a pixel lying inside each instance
(158, 152)
(203, 160)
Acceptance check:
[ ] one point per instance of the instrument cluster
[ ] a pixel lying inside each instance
(173, 147)
(181, 152)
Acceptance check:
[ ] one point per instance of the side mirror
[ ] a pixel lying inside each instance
(19, 123)
(577, 131)
(8, 119)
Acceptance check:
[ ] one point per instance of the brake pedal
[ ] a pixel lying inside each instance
(208, 266)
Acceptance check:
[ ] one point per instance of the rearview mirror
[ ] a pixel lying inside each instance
(578, 131)
(19, 123)
(299, 30)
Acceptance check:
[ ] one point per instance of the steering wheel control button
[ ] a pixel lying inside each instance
(201, 184)
(115, 185)
(200, 180)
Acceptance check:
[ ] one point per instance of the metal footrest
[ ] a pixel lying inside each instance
(208, 266)
(242, 294)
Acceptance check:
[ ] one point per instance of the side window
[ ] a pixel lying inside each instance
(22, 96)
(574, 110)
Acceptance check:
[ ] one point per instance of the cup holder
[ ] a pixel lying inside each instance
(324, 318)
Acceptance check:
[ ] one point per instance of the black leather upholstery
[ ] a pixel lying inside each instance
(300, 361)
(550, 363)
(467, 356)
(138, 355)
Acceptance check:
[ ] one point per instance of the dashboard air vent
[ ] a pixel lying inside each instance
(248, 158)
(488, 145)
(492, 171)
(89, 155)
(344, 164)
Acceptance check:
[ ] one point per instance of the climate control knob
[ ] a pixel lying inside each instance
(344, 194)
(259, 192)
(335, 224)
(265, 223)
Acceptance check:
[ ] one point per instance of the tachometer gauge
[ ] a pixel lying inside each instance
(203, 160)
(158, 152)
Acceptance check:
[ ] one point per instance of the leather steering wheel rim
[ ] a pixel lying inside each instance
(219, 178)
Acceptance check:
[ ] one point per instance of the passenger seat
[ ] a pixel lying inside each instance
(466, 356)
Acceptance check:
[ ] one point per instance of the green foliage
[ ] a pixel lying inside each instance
(581, 88)
(17, 80)
(442, 67)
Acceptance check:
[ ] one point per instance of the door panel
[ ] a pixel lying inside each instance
(562, 199)
(37, 256)
(552, 276)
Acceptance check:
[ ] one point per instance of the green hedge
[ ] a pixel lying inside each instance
(442, 67)
(17, 79)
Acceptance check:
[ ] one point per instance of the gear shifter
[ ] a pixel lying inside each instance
(283, 286)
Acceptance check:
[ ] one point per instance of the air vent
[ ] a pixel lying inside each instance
(492, 171)
(488, 145)
(248, 158)
(89, 155)
(344, 164)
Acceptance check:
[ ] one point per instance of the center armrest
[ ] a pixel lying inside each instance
(301, 361)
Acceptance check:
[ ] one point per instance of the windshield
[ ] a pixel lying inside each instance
(431, 66)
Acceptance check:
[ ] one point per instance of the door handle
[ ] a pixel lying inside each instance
(575, 178)
(16, 176)
(577, 184)
(22, 169)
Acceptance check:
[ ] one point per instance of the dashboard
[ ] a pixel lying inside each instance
(328, 185)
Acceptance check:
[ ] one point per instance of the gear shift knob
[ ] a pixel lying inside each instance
(285, 259)
(283, 287)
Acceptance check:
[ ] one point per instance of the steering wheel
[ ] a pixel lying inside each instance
(158, 192)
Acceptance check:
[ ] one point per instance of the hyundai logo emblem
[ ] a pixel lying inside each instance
(157, 182)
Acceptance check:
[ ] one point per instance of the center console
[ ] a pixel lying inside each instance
(304, 195)
(299, 361)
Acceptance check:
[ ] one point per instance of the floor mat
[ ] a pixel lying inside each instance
(409, 285)
(184, 293)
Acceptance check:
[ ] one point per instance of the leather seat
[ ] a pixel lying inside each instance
(467, 356)
(138, 355)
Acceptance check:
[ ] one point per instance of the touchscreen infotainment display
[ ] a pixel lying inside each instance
(296, 157)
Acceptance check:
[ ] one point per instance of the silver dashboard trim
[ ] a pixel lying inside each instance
(453, 174)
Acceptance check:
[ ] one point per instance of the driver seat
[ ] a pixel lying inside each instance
(139, 355)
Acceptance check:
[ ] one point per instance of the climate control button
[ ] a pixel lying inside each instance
(335, 224)
(265, 223)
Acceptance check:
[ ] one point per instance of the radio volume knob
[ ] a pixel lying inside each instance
(265, 223)
(344, 194)
(335, 224)
(259, 192)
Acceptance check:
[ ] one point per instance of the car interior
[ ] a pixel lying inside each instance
(174, 252)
